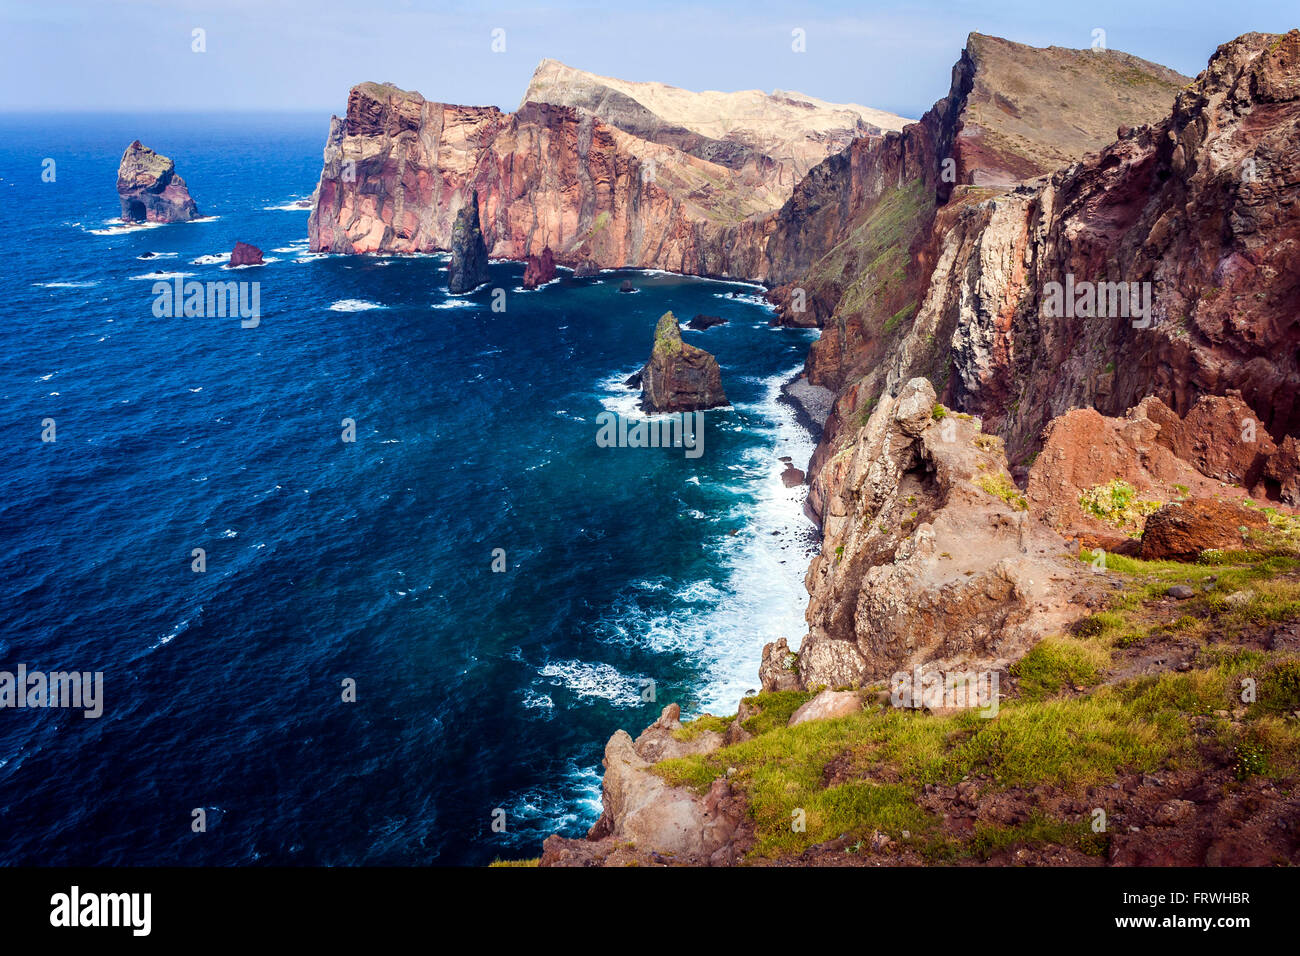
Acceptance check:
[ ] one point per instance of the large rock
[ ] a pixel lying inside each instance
(827, 705)
(779, 668)
(468, 268)
(679, 377)
(150, 190)
(1282, 473)
(245, 255)
(1183, 531)
(539, 270)
(1084, 449)
(928, 556)
(645, 817)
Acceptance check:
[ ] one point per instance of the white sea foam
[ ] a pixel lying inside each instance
(355, 305)
(454, 304)
(297, 247)
(536, 701)
(291, 206)
(756, 299)
(160, 276)
(81, 284)
(212, 259)
(172, 635)
(596, 681)
(722, 623)
(116, 227)
(158, 255)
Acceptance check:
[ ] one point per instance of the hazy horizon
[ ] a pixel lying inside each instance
(302, 57)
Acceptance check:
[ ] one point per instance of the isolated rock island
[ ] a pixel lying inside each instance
(679, 377)
(150, 190)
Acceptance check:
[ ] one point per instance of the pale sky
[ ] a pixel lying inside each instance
(135, 55)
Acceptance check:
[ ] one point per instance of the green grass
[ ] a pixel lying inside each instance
(880, 759)
(1058, 662)
(1117, 504)
(1000, 486)
(902, 315)
(1038, 830)
(702, 724)
(775, 708)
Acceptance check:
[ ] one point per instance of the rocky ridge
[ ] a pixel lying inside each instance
(674, 180)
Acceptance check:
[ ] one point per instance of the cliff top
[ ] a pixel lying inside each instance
(1038, 108)
(795, 128)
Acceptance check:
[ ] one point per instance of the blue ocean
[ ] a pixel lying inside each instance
(367, 563)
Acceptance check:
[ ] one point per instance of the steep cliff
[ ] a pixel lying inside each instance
(604, 173)
(1197, 216)
(858, 243)
(1191, 219)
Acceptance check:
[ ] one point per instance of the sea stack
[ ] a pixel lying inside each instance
(245, 255)
(539, 270)
(150, 190)
(469, 258)
(679, 377)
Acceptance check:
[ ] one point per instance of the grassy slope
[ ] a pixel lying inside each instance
(1068, 727)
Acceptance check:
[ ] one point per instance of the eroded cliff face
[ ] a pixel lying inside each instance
(604, 173)
(857, 246)
(1196, 214)
(1200, 211)
(929, 553)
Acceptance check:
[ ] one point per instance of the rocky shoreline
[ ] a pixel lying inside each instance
(1007, 483)
(1091, 546)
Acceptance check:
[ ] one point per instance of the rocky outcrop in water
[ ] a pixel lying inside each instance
(245, 255)
(539, 270)
(468, 268)
(150, 190)
(679, 377)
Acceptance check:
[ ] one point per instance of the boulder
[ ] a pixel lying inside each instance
(1282, 473)
(539, 270)
(827, 705)
(150, 190)
(779, 669)
(1084, 449)
(679, 377)
(585, 269)
(468, 268)
(627, 286)
(702, 322)
(1182, 531)
(245, 255)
